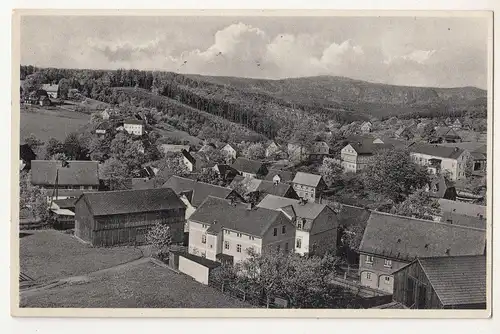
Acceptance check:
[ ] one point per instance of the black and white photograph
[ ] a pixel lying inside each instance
(264, 162)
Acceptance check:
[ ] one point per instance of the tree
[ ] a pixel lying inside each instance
(392, 173)
(34, 143)
(64, 87)
(100, 148)
(331, 170)
(53, 147)
(33, 82)
(418, 205)
(32, 198)
(160, 237)
(73, 147)
(255, 151)
(115, 172)
(208, 175)
(128, 151)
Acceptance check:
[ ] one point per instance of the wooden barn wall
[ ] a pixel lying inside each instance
(84, 221)
(132, 228)
(401, 286)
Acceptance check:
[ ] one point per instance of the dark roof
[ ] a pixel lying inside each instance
(133, 121)
(457, 219)
(132, 201)
(459, 280)
(467, 209)
(188, 156)
(436, 150)
(200, 190)
(286, 176)
(274, 202)
(68, 203)
(246, 165)
(280, 189)
(236, 216)
(26, 153)
(43, 172)
(478, 156)
(308, 179)
(225, 169)
(368, 146)
(406, 238)
(139, 183)
(198, 259)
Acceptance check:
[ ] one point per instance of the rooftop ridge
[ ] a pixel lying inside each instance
(428, 221)
(194, 181)
(122, 191)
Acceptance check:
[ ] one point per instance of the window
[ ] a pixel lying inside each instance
(299, 243)
(286, 247)
(203, 239)
(227, 232)
(250, 237)
(238, 235)
(369, 276)
(278, 248)
(388, 263)
(299, 225)
(204, 226)
(369, 259)
(238, 248)
(275, 231)
(226, 244)
(387, 279)
(283, 229)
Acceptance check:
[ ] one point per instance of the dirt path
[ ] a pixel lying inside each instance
(81, 278)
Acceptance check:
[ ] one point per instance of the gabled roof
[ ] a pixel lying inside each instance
(248, 166)
(228, 146)
(188, 156)
(352, 215)
(308, 179)
(286, 176)
(466, 209)
(105, 203)
(274, 202)
(43, 172)
(68, 203)
(263, 186)
(236, 216)
(405, 238)
(139, 184)
(200, 190)
(462, 220)
(50, 88)
(478, 156)
(457, 280)
(436, 150)
(133, 121)
(368, 146)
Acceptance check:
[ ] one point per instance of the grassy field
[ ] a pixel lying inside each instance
(47, 255)
(168, 131)
(144, 285)
(48, 123)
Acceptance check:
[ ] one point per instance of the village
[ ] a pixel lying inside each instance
(382, 213)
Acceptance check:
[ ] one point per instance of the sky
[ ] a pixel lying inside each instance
(414, 51)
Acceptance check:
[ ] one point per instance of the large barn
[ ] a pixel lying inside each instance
(124, 217)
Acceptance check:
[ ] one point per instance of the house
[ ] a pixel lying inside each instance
(457, 125)
(193, 192)
(256, 188)
(26, 155)
(439, 187)
(279, 175)
(316, 224)
(73, 175)
(102, 128)
(110, 218)
(223, 230)
(445, 282)
(249, 168)
(230, 152)
(273, 149)
(308, 186)
(188, 160)
(390, 242)
(356, 156)
(225, 172)
(466, 214)
(438, 159)
(444, 134)
(316, 151)
(52, 90)
(134, 126)
(169, 148)
(479, 158)
(63, 210)
(366, 127)
(404, 132)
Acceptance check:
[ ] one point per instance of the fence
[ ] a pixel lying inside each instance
(356, 288)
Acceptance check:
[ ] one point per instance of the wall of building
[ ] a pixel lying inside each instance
(305, 191)
(135, 129)
(280, 239)
(376, 275)
(197, 271)
(245, 241)
(84, 221)
(456, 167)
(303, 236)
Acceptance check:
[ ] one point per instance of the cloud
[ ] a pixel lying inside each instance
(248, 51)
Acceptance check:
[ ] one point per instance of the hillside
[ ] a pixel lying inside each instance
(342, 93)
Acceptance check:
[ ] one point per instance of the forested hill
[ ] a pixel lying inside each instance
(373, 99)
